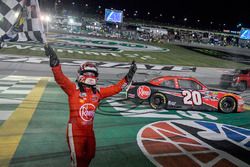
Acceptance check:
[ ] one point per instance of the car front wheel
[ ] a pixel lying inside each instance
(158, 101)
(227, 105)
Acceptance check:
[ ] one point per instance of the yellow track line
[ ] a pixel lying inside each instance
(12, 129)
(247, 107)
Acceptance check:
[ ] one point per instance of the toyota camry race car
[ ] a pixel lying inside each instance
(184, 93)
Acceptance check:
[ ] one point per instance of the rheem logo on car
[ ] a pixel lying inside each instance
(197, 143)
(143, 92)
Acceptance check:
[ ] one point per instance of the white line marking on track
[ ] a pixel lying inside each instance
(28, 81)
(22, 86)
(10, 101)
(10, 79)
(4, 88)
(177, 68)
(15, 60)
(6, 83)
(19, 99)
(19, 92)
(4, 115)
(14, 77)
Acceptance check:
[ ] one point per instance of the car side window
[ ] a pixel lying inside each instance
(168, 83)
(189, 84)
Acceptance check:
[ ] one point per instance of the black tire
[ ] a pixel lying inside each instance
(242, 86)
(158, 101)
(227, 104)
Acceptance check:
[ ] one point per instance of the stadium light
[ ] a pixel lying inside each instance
(16, 14)
(71, 22)
(42, 18)
(47, 18)
(239, 25)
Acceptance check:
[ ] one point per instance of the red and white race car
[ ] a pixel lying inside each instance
(185, 93)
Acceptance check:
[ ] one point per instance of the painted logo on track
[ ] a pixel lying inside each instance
(143, 92)
(122, 107)
(95, 43)
(195, 143)
(87, 112)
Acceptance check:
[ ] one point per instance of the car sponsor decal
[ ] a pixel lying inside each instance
(143, 92)
(87, 112)
(192, 97)
(195, 143)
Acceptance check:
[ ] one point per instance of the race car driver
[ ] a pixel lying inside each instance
(83, 99)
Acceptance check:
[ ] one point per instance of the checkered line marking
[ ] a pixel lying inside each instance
(13, 89)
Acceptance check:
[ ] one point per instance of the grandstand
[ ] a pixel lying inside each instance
(95, 26)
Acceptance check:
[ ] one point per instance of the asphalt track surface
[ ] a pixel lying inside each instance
(208, 76)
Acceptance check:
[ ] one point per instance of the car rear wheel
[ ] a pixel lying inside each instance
(158, 101)
(242, 86)
(227, 105)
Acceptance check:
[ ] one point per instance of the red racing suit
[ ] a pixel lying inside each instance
(82, 106)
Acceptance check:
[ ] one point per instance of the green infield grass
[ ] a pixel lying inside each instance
(175, 56)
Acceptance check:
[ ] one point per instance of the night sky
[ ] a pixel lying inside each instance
(224, 14)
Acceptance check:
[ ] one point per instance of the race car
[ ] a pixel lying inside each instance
(183, 93)
(239, 79)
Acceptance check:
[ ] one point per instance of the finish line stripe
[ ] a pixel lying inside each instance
(12, 129)
(247, 107)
